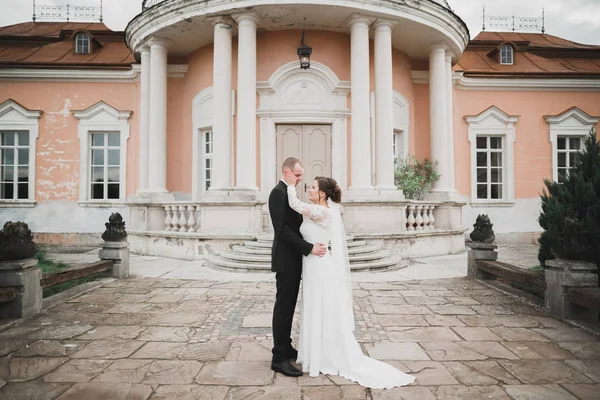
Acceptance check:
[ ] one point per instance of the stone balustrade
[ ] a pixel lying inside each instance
(185, 217)
(181, 218)
(420, 217)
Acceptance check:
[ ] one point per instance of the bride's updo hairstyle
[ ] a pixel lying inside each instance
(330, 187)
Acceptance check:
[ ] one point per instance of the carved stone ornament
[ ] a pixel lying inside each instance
(482, 230)
(115, 229)
(16, 242)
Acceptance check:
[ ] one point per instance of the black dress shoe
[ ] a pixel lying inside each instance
(285, 368)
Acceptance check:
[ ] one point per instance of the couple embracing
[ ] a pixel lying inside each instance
(300, 251)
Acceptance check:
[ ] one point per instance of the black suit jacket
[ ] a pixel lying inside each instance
(288, 245)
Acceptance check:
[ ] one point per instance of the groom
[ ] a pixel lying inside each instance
(286, 261)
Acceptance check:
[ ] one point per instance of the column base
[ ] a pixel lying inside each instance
(391, 193)
(443, 195)
(148, 196)
(360, 194)
(231, 196)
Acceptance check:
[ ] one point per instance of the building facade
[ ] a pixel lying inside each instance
(182, 121)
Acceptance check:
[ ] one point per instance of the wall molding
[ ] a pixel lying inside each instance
(535, 84)
(84, 75)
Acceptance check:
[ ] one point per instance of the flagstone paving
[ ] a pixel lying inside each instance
(183, 339)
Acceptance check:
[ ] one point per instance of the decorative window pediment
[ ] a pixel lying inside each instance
(101, 154)
(567, 131)
(12, 111)
(19, 129)
(492, 137)
(573, 118)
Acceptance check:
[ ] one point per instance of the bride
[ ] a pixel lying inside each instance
(327, 344)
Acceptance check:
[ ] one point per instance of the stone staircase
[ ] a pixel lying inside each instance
(255, 256)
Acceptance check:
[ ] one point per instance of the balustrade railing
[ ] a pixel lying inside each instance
(181, 218)
(150, 3)
(184, 217)
(419, 217)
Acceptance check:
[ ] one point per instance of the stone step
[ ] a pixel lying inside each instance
(389, 263)
(268, 237)
(260, 258)
(268, 245)
(267, 250)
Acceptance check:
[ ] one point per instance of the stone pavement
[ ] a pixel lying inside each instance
(153, 338)
(449, 266)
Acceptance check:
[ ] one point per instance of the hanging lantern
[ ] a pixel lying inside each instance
(304, 54)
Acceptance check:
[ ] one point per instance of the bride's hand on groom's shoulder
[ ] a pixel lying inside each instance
(319, 249)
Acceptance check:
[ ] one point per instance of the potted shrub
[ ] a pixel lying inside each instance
(414, 177)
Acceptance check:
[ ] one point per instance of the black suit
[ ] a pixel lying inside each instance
(286, 261)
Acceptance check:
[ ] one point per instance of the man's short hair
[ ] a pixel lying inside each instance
(290, 163)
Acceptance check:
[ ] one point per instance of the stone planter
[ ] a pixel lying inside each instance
(25, 276)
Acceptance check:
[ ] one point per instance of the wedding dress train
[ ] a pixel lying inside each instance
(327, 344)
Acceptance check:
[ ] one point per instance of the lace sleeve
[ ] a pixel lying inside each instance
(319, 214)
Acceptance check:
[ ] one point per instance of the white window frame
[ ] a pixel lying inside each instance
(202, 121)
(105, 147)
(494, 122)
(573, 122)
(101, 117)
(399, 141)
(207, 156)
(510, 53)
(15, 117)
(85, 41)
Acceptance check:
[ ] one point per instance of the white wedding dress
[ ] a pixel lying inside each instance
(327, 344)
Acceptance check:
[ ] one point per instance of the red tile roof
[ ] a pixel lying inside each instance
(51, 45)
(535, 55)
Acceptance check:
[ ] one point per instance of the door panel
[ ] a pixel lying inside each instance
(312, 145)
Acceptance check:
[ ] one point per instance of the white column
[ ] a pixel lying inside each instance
(222, 163)
(437, 115)
(157, 146)
(144, 119)
(450, 118)
(384, 102)
(359, 87)
(246, 100)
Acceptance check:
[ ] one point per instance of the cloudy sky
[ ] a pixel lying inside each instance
(576, 20)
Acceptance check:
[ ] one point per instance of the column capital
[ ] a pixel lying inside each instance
(221, 20)
(437, 48)
(384, 24)
(359, 19)
(156, 42)
(246, 17)
(145, 50)
(449, 56)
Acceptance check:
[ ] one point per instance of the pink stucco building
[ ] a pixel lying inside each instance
(182, 121)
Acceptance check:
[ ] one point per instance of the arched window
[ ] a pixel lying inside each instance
(506, 55)
(82, 43)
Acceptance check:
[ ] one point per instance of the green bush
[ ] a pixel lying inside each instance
(570, 213)
(415, 178)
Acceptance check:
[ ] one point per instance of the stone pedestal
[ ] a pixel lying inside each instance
(119, 253)
(24, 275)
(561, 274)
(480, 251)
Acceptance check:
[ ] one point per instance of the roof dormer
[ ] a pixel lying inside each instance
(504, 53)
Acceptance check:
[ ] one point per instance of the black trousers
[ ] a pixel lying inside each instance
(288, 285)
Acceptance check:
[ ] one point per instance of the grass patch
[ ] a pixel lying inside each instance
(49, 267)
(537, 268)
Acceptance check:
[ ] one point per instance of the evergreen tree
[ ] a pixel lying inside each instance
(570, 213)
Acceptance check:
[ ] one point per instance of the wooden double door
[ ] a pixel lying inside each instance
(309, 143)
